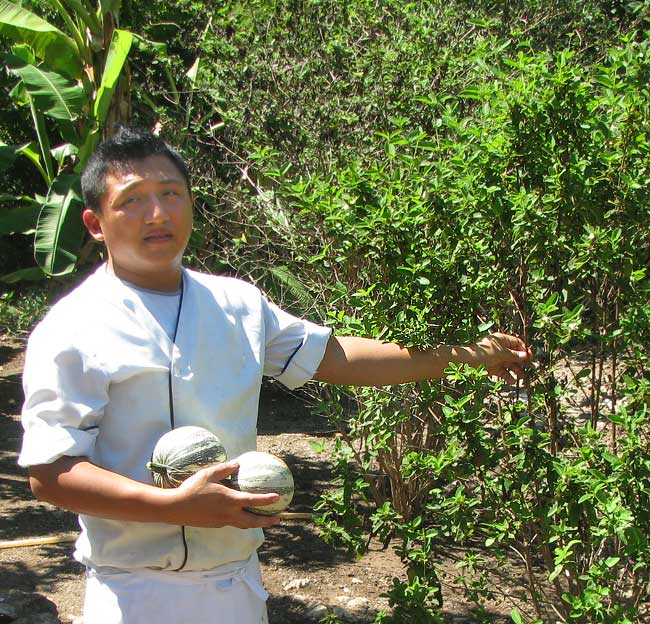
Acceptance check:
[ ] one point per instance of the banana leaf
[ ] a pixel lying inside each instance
(110, 6)
(52, 93)
(60, 230)
(56, 48)
(63, 151)
(115, 59)
(21, 219)
(8, 154)
(31, 274)
(86, 149)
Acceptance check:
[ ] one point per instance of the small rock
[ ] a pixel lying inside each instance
(343, 614)
(356, 581)
(296, 584)
(359, 604)
(316, 613)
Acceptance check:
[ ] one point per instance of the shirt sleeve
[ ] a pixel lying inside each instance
(64, 400)
(294, 347)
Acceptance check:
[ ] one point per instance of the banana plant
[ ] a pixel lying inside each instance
(74, 83)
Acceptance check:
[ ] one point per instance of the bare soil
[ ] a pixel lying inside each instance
(300, 569)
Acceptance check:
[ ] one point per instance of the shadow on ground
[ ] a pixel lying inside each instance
(56, 565)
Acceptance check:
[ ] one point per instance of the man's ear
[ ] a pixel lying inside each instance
(93, 224)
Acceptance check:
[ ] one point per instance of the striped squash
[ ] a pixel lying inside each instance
(261, 473)
(181, 452)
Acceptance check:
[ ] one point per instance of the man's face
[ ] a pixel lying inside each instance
(145, 221)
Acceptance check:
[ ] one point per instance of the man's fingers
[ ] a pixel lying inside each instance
(523, 356)
(514, 345)
(247, 499)
(506, 375)
(218, 472)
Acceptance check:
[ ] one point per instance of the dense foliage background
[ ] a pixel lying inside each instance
(427, 172)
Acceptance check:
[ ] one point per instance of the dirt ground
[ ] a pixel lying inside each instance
(300, 570)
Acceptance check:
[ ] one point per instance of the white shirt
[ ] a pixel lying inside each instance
(96, 384)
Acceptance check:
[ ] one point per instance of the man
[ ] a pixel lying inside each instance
(145, 345)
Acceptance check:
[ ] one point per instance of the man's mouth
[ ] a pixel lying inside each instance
(155, 237)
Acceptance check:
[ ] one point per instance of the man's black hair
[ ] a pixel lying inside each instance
(128, 145)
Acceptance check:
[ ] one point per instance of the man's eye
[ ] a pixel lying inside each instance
(131, 200)
(171, 193)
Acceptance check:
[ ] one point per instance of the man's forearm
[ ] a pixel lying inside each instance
(365, 362)
(76, 484)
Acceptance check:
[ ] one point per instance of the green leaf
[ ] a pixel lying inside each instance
(31, 274)
(19, 220)
(61, 152)
(48, 42)
(556, 572)
(87, 148)
(193, 71)
(146, 45)
(115, 59)
(29, 151)
(60, 230)
(606, 81)
(110, 6)
(8, 155)
(53, 94)
(472, 94)
(516, 616)
(585, 372)
(25, 53)
(19, 94)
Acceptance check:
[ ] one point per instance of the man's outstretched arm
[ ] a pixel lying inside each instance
(353, 361)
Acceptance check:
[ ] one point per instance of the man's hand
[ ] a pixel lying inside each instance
(202, 501)
(503, 355)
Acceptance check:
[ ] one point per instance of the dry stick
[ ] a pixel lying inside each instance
(579, 385)
(38, 541)
(548, 561)
(295, 515)
(529, 576)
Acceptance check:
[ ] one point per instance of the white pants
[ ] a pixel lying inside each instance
(231, 594)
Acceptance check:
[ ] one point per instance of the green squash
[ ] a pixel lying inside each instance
(262, 473)
(181, 452)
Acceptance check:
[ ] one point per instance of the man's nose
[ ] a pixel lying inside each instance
(156, 211)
